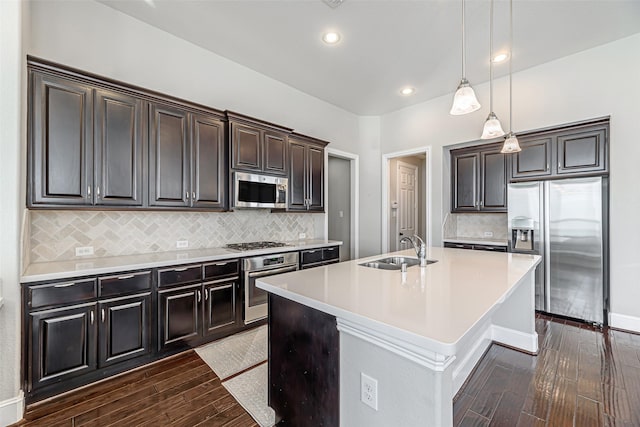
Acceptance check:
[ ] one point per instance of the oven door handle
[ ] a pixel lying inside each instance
(263, 273)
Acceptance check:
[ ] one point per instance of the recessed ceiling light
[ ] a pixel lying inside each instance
(331, 37)
(501, 57)
(407, 91)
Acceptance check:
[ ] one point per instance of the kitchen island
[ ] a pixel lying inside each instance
(417, 334)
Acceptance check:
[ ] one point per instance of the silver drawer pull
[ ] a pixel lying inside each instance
(91, 315)
(102, 312)
(64, 285)
(128, 276)
(220, 264)
(180, 269)
(311, 252)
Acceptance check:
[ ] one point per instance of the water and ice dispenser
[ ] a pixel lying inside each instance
(522, 234)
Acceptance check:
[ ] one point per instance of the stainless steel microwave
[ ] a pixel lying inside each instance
(259, 191)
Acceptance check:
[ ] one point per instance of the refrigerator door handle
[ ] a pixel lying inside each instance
(547, 247)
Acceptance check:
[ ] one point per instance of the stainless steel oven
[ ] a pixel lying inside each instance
(255, 299)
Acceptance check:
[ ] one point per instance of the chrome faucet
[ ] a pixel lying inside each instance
(419, 246)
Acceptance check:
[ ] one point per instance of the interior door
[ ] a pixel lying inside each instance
(407, 219)
(339, 206)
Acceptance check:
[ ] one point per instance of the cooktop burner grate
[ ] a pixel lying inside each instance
(248, 246)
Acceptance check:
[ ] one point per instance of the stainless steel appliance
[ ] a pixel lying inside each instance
(255, 299)
(249, 246)
(259, 191)
(566, 222)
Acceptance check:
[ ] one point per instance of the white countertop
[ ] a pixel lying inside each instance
(431, 307)
(477, 241)
(89, 266)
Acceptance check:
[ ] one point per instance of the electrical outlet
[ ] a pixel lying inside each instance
(488, 234)
(84, 251)
(180, 244)
(369, 391)
(302, 236)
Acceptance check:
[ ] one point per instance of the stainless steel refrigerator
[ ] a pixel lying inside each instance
(566, 222)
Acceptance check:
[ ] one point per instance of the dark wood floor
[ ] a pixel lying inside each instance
(581, 377)
(178, 391)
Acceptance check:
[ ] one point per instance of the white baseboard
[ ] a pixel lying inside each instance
(11, 410)
(517, 339)
(623, 321)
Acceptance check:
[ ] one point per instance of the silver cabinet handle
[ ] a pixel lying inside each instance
(187, 195)
(180, 269)
(64, 285)
(481, 203)
(547, 166)
(206, 295)
(91, 315)
(311, 252)
(102, 313)
(219, 264)
(89, 191)
(193, 195)
(199, 296)
(128, 276)
(98, 191)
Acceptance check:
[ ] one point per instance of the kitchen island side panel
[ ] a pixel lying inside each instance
(304, 364)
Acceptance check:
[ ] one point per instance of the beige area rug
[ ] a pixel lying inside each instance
(250, 390)
(236, 353)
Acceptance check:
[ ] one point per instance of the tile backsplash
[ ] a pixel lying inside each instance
(54, 235)
(474, 225)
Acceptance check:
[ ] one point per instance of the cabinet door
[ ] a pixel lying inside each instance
(168, 157)
(493, 181)
(464, 182)
(208, 162)
(297, 176)
(63, 344)
(246, 146)
(221, 307)
(315, 176)
(119, 149)
(61, 148)
(125, 324)
(178, 315)
(582, 151)
(534, 160)
(275, 153)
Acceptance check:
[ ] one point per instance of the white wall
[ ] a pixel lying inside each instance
(12, 118)
(592, 83)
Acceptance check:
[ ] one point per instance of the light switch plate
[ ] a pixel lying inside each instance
(488, 234)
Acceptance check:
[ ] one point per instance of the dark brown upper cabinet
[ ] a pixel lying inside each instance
(573, 150)
(186, 159)
(306, 173)
(258, 146)
(86, 144)
(60, 141)
(479, 179)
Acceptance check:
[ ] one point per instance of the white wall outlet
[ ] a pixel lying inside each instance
(302, 236)
(369, 391)
(181, 244)
(84, 251)
(488, 234)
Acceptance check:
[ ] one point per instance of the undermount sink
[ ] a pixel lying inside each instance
(393, 263)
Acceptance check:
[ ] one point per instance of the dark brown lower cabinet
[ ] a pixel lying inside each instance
(178, 314)
(125, 326)
(221, 308)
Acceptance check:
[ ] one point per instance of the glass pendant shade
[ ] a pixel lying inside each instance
(492, 127)
(511, 144)
(464, 100)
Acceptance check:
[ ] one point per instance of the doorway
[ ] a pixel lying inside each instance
(405, 197)
(342, 202)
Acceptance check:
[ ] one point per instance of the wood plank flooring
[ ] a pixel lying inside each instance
(178, 391)
(581, 377)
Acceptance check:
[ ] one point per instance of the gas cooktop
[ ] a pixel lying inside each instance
(248, 246)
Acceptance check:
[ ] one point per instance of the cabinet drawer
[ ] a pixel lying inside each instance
(51, 294)
(124, 283)
(332, 253)
(311, 256)
(216, 270)
(179, 275)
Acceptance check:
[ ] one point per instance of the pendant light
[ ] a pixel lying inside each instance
(492, 127)
(511, 144)
(464, 100)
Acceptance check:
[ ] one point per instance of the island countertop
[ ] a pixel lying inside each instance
(431, 307)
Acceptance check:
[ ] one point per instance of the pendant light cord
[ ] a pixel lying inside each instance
(510, 69)
(463, 45)
(491, 60)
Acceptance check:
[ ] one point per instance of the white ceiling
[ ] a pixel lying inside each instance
(387, 44)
